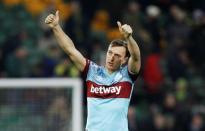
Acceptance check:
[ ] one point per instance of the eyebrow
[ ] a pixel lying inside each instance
(114, 53)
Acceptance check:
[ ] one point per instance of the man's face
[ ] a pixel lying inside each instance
(115, 58)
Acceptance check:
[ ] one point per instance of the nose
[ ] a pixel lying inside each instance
(112, 57)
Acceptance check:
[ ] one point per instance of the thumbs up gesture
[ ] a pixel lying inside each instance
(125, 29)
(52, 20)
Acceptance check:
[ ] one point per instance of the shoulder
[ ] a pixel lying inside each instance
(91, 67)
(128, 74)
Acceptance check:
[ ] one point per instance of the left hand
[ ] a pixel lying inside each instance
(52, 20)
(125, 29)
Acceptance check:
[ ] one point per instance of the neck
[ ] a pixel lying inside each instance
(110, 71)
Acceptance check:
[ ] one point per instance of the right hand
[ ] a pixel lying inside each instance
(125, 29)
(52, 20)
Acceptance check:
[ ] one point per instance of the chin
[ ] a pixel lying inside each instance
(109, 67)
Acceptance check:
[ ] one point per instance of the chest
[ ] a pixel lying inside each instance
(101, 77)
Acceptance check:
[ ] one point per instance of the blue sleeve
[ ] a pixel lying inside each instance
(89, 69)
(132, 76)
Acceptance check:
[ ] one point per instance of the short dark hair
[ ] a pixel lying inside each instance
(119, 42)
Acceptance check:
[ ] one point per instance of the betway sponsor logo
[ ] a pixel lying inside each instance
(105, 90)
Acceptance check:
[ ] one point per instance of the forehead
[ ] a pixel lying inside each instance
(117, 49)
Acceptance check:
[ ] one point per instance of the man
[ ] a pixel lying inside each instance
(109, 87)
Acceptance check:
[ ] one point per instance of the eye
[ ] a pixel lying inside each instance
(117, 55)
(109, 52)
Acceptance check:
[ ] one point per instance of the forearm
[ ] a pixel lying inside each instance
(133, 48)
(67, 45)
(63, 40)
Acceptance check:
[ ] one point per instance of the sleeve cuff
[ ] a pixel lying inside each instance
(86, 68)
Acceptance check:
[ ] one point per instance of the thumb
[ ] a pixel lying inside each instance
(119, 24)
(57, 13)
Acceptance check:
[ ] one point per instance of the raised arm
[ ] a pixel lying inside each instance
(134, 62)
(65, 42)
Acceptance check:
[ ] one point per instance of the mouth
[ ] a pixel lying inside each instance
(110, 63)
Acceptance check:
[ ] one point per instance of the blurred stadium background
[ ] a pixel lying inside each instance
(170, 91)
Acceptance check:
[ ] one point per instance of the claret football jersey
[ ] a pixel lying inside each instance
(108, 97)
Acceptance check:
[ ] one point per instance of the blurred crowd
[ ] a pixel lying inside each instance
(170, 91)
